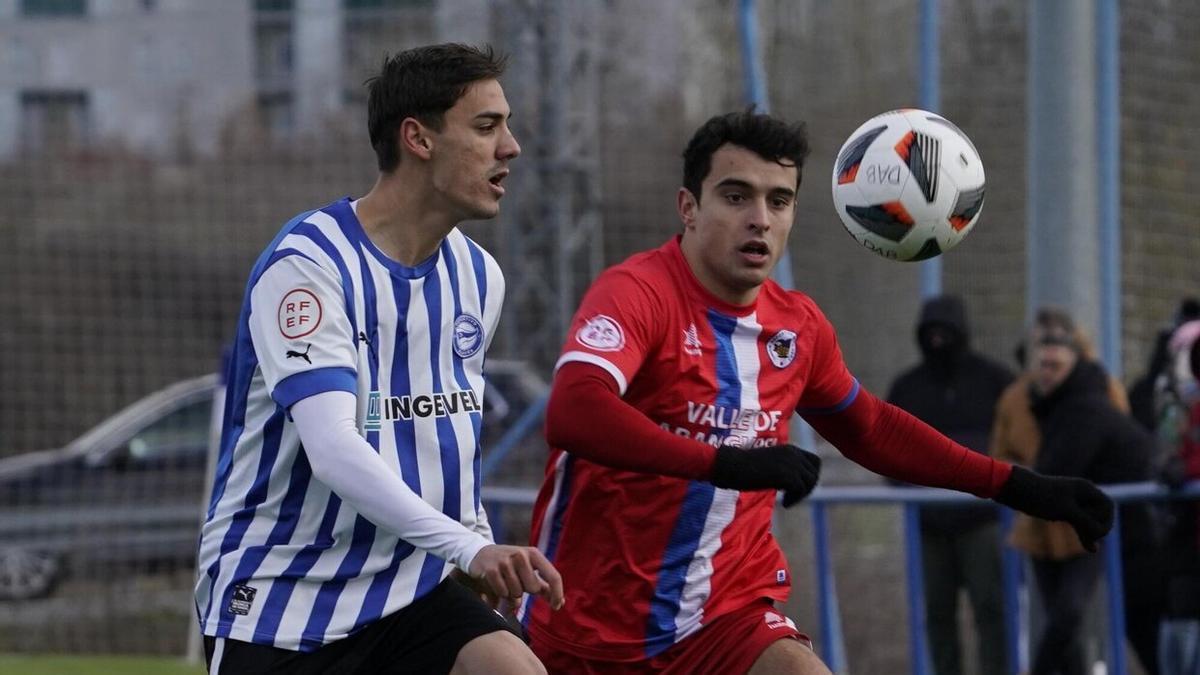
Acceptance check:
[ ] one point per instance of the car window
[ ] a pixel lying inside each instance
(181, 432)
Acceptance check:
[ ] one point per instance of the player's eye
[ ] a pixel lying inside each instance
(735, 198)
(781, 202)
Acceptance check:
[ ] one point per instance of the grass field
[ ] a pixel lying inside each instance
(95, 665)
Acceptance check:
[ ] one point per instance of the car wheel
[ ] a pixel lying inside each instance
(27, 573)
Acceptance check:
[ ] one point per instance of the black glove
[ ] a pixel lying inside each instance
(1074, 500)
(775, 467)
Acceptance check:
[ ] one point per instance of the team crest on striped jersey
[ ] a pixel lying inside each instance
(781, 348)
(601, 333)
(468, 335)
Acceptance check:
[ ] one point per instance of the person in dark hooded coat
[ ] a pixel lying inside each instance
(955, 390)
(1085, 436)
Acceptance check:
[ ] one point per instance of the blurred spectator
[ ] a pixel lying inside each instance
(1142, 393)
(1065, 417)
(955, 390)
(1179, 646)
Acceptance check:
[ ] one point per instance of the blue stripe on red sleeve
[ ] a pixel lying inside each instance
(838, 407)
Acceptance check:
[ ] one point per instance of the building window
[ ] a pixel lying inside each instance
(273, 5)
(277, 114)
(54, 120)
(377, 27)
(54, 7)
(273, 54)
(386, 4)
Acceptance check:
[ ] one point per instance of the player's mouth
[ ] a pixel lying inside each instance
(495, 180)
(755, 252)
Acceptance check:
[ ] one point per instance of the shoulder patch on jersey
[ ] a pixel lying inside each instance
(468, 335)
(781, 348)
(299, 313)
(601, 333)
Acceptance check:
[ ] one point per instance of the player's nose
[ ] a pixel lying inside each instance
(759, 217)
(509, 148)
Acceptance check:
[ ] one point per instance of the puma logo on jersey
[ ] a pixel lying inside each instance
(363, 339)
(300, 355)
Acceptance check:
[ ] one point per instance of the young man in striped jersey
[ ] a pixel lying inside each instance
(668, 421)
(347, 488)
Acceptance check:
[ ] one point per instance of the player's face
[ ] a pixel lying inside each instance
(738, 230)
(470, 155)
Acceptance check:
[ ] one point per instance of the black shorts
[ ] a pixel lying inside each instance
(424, 637)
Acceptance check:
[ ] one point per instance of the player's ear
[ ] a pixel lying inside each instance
(686, 203)
(415, 138)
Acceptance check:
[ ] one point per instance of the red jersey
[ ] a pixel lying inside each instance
(647, 560)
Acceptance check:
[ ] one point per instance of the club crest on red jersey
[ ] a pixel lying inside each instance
(781, 348)
(601, 333)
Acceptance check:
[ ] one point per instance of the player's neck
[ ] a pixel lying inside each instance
(712, 284)
(397, 220)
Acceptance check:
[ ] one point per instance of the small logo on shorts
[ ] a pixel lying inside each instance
(243, 597)
(601, 333)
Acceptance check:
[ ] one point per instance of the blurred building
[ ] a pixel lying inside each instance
(165, 77)
(145, 75)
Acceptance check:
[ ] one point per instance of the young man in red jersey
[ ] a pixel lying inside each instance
(668, 423)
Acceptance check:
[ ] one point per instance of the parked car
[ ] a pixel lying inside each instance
(128, 492)
(128, 496)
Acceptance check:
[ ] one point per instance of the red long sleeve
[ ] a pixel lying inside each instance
(587, 417)
(889, 441)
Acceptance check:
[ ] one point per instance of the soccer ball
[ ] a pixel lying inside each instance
(908, 184)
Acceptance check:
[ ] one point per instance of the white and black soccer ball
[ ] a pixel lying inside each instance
(908, 184)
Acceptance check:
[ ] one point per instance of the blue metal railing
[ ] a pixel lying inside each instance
(832, 643)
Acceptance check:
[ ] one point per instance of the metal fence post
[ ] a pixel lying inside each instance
(833, 650)
(915, 575)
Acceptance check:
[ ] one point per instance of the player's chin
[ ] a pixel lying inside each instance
(483, 210)
(754, 275)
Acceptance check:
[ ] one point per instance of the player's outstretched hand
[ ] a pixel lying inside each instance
(777, 467)
(1075, 500)
(510, 571)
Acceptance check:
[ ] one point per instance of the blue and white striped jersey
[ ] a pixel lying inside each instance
(283, 561)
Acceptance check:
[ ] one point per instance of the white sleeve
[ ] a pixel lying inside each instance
(344, 461)
(301, 330)
(482, 526)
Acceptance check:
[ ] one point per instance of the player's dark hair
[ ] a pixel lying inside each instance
(422, 83)
(768, 137)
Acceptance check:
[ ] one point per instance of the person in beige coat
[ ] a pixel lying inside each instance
(1015, 438)
(1065, 416)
